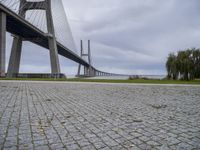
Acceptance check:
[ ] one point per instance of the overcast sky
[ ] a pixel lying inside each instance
(127, 36)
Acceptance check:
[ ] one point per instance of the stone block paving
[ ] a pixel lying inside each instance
(80, 116)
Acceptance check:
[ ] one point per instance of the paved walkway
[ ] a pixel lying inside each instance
(45, 115)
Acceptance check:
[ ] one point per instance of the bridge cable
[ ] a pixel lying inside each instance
(14, 4)
(38, 21)
(41, 11)
(32, 12)
(22, 7)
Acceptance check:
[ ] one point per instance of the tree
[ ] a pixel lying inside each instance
(185, 65)
(172, 66)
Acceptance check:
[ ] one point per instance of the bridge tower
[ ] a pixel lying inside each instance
(16, 50)
(88, 71)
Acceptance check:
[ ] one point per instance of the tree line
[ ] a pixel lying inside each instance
(184, 65)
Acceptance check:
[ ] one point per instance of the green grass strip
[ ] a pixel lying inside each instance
(144, 81)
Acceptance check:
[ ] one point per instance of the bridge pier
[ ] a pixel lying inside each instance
(14, 62)
(85, 71)
(15, 57)
(2, 44)
(95, 73)
(89, 71)
(55, 65)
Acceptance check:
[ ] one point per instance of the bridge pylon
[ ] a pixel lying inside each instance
(14, 62)
(88, 71)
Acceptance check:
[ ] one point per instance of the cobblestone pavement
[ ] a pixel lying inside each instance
(74, 116)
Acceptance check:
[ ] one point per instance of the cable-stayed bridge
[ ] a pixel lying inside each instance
(44, 23)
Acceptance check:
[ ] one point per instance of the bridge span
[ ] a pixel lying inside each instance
(23, 30)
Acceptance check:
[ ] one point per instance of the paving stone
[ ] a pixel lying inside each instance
(164, 147)
(118, 148)
(83, 143)
(72, 146)
(89, 147)
(153, 143)
(28, 146)
(136, 141)
(99, 145)
(10, 148)
(184, 146)
(57, 146)
(144, 138)
(44, 147)
(40, 142)
(172, 141)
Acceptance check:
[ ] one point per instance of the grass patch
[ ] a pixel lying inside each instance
(150, 81)
(144, 81)
(35, 79)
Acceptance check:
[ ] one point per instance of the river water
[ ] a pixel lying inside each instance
(125, 77)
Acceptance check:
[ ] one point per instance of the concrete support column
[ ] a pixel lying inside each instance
(15, 57)
(2, 44)
(79, 70)
(55, 65)
(79, 66)
(89, 60)
(91, 72)
(94, 72)
(85, 72)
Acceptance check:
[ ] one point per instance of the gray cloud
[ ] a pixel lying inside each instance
(132, 36)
